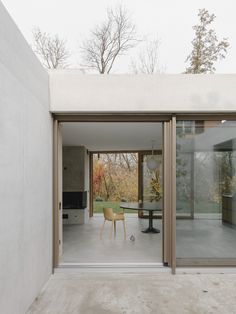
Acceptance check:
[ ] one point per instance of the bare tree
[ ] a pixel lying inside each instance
(109, 40)
(206, 47)
(148, 59)
(51, 49)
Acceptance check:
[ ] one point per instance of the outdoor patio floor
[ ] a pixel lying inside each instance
(110, 293)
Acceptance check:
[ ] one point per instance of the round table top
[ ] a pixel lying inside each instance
(149, 206)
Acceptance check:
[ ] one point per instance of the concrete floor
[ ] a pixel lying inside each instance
(137, 293)
(82, 243)
(205, 238)
(198, 238)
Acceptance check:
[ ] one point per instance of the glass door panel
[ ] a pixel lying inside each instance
(206, 189)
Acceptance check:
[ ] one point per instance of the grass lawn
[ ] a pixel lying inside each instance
(184, 207)
(98, 207)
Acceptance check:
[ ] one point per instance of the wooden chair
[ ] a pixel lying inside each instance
(109, 215)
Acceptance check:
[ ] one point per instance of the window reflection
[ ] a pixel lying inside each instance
(206, 189)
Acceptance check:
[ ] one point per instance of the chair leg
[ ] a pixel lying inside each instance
(114, 228)
(111, 229)
(102, 228)
(124, 230)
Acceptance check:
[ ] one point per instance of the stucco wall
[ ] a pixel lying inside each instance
(72, 91)
(26, 172)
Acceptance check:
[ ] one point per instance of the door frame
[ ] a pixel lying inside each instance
(168, 172)
(56, 200)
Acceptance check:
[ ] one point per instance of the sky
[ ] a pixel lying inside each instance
(169, 20)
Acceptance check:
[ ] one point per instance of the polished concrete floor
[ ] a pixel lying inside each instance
(82, 243)
(137, 294)
(205, 238)
(198, 238)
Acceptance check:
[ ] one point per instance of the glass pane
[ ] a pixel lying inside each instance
(206, 189)
(152, 179)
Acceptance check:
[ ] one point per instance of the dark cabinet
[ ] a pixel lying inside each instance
(229, 209)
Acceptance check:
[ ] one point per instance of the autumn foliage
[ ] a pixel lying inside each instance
(115, 177)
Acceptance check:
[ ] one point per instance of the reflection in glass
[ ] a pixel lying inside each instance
(152, 179)
(206, 189)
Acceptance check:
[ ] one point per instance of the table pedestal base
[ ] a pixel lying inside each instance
(151, 230)
(146, 206)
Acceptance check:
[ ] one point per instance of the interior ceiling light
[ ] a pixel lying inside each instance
(151, 162)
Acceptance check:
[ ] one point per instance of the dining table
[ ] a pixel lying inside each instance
(150, 207)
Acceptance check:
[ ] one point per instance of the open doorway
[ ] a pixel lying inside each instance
(120, 177)
(115, 179)
(127, 148)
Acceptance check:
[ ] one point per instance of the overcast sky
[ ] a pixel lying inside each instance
(171, 20)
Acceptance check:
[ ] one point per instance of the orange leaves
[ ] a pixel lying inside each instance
(115, 176)
(98, 176)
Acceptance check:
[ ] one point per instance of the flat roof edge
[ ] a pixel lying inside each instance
(142, 112)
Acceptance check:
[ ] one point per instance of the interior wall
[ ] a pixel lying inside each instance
(76, 170)
(26, 172)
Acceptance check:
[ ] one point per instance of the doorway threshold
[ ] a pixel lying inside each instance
(112, 267)
(206, 270)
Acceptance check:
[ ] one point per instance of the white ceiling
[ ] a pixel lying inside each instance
(112, 136)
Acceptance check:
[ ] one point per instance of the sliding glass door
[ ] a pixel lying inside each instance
(206, 192)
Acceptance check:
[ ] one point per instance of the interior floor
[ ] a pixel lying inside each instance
(199, 238)
(205, 238)
(82, 243)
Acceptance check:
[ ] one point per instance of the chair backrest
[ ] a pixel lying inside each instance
(108, 213)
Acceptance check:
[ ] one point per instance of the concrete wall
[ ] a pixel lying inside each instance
(72, 91)
(76, 170)
(26, 172)
(74, 178)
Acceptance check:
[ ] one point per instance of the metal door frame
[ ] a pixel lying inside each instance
(168, 174)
